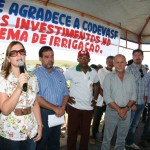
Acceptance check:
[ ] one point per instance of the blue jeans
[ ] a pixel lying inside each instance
(135, 118)
(50, 136)
(6, 144)
(146, 131)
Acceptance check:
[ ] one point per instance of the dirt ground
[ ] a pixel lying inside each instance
(97, 146)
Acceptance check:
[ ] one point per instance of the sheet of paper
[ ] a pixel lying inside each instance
(53, 120)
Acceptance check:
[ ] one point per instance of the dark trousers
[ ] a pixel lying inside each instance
(98, 112)
(146, 130)
(50, 136)
(6, 144)
(78, 122)
(144, 115)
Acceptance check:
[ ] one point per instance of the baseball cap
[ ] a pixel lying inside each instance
(83, 52)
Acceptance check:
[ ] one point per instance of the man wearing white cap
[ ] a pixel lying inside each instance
(84, 90)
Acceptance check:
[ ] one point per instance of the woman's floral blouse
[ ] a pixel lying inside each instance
(14, 127)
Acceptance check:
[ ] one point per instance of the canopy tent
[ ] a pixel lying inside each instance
(131, 16)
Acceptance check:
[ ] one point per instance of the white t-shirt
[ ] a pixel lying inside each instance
(81, 86)
(101, 75)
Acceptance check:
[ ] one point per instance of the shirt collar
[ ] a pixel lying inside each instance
(115, 72)
(44, 69)
(78, 68)
(142, 66)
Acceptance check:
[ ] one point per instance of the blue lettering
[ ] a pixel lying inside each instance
(13, 9)
(116, 34)
(40, 14)
(108, 33)
(55, 17)
(23, 12)
(1, 5)
(68, 21)
(76, 23)
(94, 28)
(31, 12)
(61, 18)
(90, 27)
(112, 34)
(84, 25)
(103, 30)
(99, 30)
(48, 15)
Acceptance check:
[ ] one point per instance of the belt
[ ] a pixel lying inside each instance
(22, 111)
(123, 107)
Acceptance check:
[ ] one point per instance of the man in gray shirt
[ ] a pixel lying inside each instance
(119, 91)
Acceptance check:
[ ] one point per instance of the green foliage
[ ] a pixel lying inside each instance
(60, 63)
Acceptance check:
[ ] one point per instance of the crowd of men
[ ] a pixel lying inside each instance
(120, 91)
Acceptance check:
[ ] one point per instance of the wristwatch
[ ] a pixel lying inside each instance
(128, 107)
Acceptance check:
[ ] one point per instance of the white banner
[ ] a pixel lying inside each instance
(44, 25)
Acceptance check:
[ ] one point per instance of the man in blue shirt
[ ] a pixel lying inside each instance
(52, 97)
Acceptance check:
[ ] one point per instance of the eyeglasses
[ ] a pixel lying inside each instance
(14, 53)
(142, 74)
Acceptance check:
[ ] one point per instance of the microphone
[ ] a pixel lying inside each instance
(21, 68)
